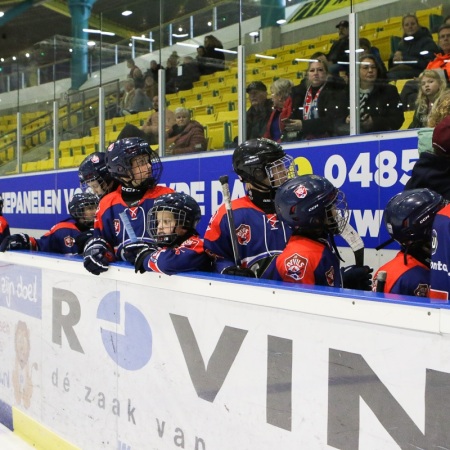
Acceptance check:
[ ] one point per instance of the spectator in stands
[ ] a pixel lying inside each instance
(172, 67)
(135, 73)
(150, 89)
(368, 49)
(189, 74)
(446, 20)
(153, 71)
(148, 131)
(280, 91)
(260, 110)
(317, 106)
(127, 96)
(200, 58)
(432, 85)
(414, 52)
(62, 237)
(408, 217)
(186, 136)
(141, 102)
(379, 102)
(442, 60)
(4, 226)
(432, 169)
(339, 50)
(138, 169)
(213, 57)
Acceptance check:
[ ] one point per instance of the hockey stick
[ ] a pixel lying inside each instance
(128, 227)
(227, 200)
(355, 242)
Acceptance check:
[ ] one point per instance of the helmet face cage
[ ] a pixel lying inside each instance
(163, 222)
(280, 170)
(93, 175)
(336, 214)
(119, 160)
(82, 208)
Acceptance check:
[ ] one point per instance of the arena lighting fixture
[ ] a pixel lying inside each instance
(142, 38)
(253, 33)
(358, 50)
(104, 33)
(225, 51)
(127, 12)
(91, 44)
(185, 44)
(281, 21)
(2, 13)
(305, 60)
(27, 55)
(264, 56)
(408, 38)
(180, 35)
(424, 52)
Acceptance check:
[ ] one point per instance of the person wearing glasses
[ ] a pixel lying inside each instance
(379, 102)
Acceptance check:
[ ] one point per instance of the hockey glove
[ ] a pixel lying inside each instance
(130, 251)
(357, 277)
(81, 240)
(97, 256)
(16, 242)
(239, 272)
(140, 258)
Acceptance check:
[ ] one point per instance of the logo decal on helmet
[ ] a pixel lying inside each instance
(95, 159)
(296, 266)
(244, 234)
(301, 191)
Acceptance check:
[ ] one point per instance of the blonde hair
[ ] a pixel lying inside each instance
(422, 100)
(282, 87)
(440, 109)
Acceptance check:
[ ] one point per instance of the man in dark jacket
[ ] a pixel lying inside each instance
(339, 50)
(259, 112)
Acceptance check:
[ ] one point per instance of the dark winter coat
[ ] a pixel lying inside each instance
(190, 139)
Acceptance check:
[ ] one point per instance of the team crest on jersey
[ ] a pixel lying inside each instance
(117, 226)
(133, 213)
(300, 191)
(244, 234)
(272, 219)
(190, 243)
(295, 266)
(329, 274)
(422, 290)
(434, 242)
(69, 241)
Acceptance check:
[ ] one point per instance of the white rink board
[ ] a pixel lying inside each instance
(157, 362)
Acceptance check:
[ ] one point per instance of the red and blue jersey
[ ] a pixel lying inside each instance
(189, 256)
(260, 236)
(4, 229)
(440, 255)
(59, 239)
(412, 278)
(110, 226)
(306, 261)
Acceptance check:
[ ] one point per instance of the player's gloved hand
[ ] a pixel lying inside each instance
(131, 250)
(239, 271)
(81, 240)
(97, 256)
(357, 277)
(16, 242)
(140, 258)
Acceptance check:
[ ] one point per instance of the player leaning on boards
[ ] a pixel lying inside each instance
(316, 211)
(4, 226)
(409, 218)
(262, 165)
(62, 237)
(138, 169)
(177, 246)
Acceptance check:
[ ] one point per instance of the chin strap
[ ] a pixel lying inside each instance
(263, 199)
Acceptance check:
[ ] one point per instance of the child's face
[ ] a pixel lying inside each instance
(429, 86)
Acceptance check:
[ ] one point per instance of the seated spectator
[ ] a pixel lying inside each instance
(368, 49)
(135, 73)
(317, 105)
(186, 136)
(260, 110)
(408, 217)
(171, 223)
(214, 59)
(141, 102)
(172, 67)
(315, 211)
(189, 74)
(414, 52)
(379, 102)
(62, 237)
(200, 58)
(148, 131)
(280, 90)
(431, 87)
(127, 96)
(150, 89)
(338, 53)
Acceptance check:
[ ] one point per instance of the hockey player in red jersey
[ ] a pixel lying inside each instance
(409, 218)
(4, 226)
(316, 211)
(262, 165)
